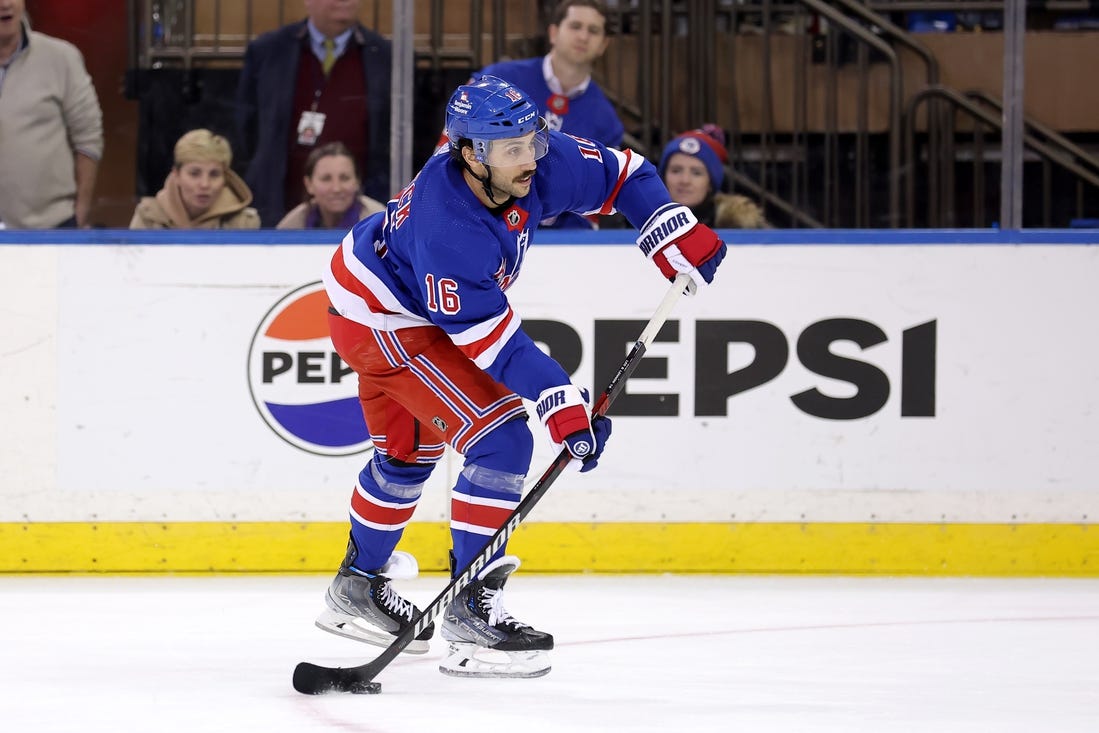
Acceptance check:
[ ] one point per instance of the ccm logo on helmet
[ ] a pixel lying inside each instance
(528, 117)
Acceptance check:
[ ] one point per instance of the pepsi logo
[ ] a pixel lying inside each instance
(303, 390)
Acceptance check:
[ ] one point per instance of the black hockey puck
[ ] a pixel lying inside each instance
(366, 688)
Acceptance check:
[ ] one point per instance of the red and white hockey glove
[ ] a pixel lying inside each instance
(677, 242)
(565, 413)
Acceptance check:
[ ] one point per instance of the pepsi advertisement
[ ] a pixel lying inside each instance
(885, 380)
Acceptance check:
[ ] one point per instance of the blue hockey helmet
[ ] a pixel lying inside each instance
(489, 110)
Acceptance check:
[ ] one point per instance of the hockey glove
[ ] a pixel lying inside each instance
(677, 242)
(564, 412)
(601, 428)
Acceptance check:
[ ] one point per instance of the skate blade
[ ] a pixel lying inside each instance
(352, 627)
(470, 660)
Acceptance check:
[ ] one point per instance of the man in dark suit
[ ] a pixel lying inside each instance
(323, 79)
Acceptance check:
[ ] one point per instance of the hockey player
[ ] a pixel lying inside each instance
(420, 312)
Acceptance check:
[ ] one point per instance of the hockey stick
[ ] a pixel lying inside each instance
(313, 679)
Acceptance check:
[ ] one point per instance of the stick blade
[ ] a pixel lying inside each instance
(312, 679)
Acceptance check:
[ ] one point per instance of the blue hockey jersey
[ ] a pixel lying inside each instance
(438, 256)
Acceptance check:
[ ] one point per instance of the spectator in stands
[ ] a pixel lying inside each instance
(560, 82)
(201, 191)
(561, 85)
(693, 168)
(332, 186)
(323, 79)
(51, 137)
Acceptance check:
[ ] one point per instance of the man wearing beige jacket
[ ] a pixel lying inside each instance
(51, 128)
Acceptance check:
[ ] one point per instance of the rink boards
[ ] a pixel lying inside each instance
(865, 402)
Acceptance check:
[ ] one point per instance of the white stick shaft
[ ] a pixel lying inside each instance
(683, 283)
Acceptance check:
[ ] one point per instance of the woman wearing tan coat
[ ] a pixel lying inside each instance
(201, 191)
(333, 197)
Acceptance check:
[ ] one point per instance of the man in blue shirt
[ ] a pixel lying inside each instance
(561, 85)
(560, 82)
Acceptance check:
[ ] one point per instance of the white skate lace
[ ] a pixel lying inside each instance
(493, 602)
(395, 603)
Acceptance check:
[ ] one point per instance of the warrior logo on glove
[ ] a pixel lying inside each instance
(549, 402)
(664, 230)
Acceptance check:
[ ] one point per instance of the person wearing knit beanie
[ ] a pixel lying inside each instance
(707, 145)
(692, 166)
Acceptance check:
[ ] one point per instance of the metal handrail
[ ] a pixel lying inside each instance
(643, 111)
(1063, 143)
(895, 94)
(1049, 152)
(895, 32)
(937, 122)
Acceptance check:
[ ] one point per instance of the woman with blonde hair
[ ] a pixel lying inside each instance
(201, 191)
(332, 188)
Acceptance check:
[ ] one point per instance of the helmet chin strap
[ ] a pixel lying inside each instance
(486, 182)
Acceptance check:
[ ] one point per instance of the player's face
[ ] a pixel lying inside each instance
(332, 17)
(514, 160)
(200, 183)
(687, 179)
(11, 21)
(581, 37)
(333, 184)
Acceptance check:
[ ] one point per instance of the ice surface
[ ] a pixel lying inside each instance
(634, 653)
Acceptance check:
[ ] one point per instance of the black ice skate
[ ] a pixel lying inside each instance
(485, 640)
(364, 606)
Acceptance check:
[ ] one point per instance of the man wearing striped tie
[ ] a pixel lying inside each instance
(323, 79)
